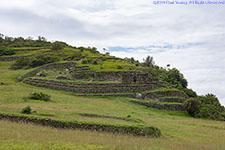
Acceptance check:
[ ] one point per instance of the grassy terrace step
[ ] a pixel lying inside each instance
(26, 49)
(47, 67)
(172, 99)
(112, 117)
(161, 105)
(132, 95)
(167, 99)
(12, 58)
(163, 92)
(112, 128)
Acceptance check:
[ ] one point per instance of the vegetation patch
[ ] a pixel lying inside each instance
(207, 107)
(128, 118)
(39, 96)
(26, 110)
(32, 62)
(6, 51)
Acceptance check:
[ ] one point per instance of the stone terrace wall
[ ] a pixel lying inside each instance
(93, 87)
(117, 76)
(30, 49)
(11, 58)
(137, 77)
(48, 67)
(163, 94)
(173, 107)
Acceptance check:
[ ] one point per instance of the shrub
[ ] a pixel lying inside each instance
(58, 45)
(95, 62)
(26, 110)
(42, 60)
(84, 61)
(40, 96)
(193, 107)
(207, 106)
(24, 63)
(190, 92)
(119, 67)
(21, 63)
(9, 52)
(74, 56)
(149, 62)
(6, 51)
(210, 112)
(174, 76)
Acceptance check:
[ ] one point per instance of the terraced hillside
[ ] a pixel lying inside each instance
(94, 92)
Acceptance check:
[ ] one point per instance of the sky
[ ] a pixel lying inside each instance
(189, 37)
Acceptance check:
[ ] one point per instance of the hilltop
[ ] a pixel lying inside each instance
(63, 86)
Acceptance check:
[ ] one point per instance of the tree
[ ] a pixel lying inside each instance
(1, 36)
(175, 75)
(41, 38)
(149, 62)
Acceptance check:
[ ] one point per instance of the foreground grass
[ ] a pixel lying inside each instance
(179, 130)
(23, 137)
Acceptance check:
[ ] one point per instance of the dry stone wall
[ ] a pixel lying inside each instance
(158, 94)
(30, 49)
(93, 87)
(116, 76)
(12, 58)
(171, 107)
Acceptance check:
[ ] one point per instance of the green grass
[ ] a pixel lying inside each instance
(180, 131)
(77, 81)
(112, 65)
(24, 53)
(156, 102)
(18, 48)
(161, 90)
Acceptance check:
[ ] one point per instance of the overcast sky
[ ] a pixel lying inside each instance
(189, 37)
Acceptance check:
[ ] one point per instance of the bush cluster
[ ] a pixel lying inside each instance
(39, 96)
(90, 61)
(74, 56)
(21, 42)
(6, 51)
(31, 62)
(26, 110)
(58, 45)
(207, 106)
(189, 92)
(119, 67)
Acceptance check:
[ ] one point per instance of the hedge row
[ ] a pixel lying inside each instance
(121, 129)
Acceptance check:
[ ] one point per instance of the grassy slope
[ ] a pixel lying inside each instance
(179, 130)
